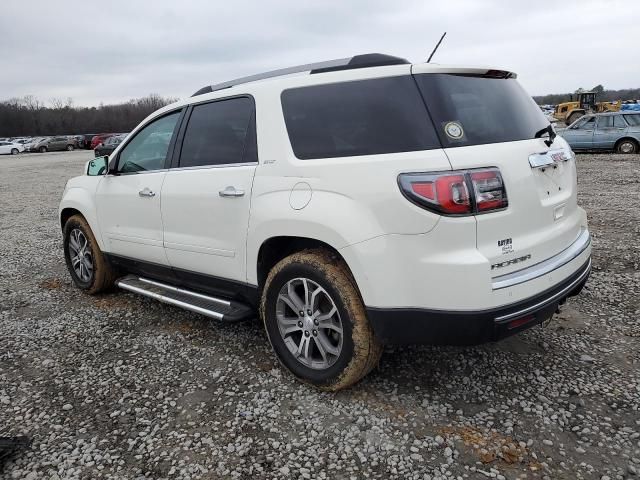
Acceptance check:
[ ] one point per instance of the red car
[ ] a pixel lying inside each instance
(100, 138)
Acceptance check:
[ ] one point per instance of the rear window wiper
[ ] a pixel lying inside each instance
(549, 130)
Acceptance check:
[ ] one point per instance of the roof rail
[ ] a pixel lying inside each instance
(358, 61)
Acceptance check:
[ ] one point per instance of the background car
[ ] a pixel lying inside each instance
(32, 142)
(109, 145)
(11, 148)
(86, 141)
(100, 138)
(619, 131)
(52, 144)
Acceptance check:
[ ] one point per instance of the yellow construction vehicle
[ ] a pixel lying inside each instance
(585, 102)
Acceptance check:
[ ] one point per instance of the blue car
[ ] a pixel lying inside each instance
(619, 131)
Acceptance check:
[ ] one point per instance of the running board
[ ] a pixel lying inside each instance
(218, 308)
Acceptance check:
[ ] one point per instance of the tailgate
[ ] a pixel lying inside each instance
(542, 218)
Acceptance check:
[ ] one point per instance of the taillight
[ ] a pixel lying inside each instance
(465, 192)
(488, 189)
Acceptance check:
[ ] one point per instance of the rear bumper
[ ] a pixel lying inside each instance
(441, 327)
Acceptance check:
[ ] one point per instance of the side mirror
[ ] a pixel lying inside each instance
(98, 166)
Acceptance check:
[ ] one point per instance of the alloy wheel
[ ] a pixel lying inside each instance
(309, 323)
(80, 255)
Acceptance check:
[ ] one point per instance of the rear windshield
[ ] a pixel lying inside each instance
(474, 110)
(364, 117)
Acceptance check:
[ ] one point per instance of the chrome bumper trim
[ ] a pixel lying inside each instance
(557, 296)
(546, 266)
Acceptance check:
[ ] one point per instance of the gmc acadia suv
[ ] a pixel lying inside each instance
(350, 204)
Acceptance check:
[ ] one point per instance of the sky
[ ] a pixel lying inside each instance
(109, 51)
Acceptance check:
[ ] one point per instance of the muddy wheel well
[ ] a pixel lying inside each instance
(66, 214)
(275, 249)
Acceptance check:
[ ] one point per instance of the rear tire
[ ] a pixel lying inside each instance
(626, 146)
(14, 151)
(86, 263)
(42, 149)
(69, 148)
(334, 347)
(573, 117)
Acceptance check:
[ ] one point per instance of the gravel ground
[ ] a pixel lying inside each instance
(118, 386)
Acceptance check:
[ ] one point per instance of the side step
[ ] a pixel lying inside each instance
(218, 308)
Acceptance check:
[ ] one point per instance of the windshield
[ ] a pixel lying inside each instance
(475, 110)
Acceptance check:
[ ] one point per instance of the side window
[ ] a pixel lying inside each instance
(148, 149)
(618, 122)
(605, 122)
(588, 124)
(220, 133)
(365, 117)
(633, 120)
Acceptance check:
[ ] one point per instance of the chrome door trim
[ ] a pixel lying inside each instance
(207, 167)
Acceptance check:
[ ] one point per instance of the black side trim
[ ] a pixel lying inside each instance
(198, 282)
(441, 327)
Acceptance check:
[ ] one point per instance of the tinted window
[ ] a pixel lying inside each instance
(148, 149)
(633, 120)
(365, 117)
(474, 110)
(216, 134)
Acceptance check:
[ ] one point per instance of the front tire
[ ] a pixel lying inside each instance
(69, 148)
(43, 149)
(14, 151)
(85, 261)
(316, 321)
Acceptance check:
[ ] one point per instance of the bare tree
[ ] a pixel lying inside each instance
(30, 116)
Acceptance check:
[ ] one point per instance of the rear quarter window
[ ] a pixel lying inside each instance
(633, 120)
(486, 110)
(364, 117)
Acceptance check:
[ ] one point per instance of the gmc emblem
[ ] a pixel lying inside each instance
(513, 261)
(559, 157)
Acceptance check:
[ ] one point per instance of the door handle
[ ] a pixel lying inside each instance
(145, 192)
(231, 191)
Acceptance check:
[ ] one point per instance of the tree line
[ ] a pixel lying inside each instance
(28, 116)
(603, 95)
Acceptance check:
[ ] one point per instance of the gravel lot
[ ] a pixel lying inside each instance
(117, 386)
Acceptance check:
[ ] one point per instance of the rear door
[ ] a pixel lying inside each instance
(609, 128)
(206, 195)
(55, 144)
(496, 122)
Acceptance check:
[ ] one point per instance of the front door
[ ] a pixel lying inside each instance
(580, 135)
(128, 198)
(206, 196)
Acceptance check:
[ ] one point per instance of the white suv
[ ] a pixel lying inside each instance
(352, 203)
